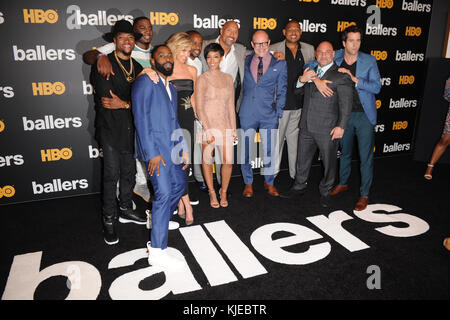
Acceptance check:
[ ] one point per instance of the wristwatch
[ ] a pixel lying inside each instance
(127, 106)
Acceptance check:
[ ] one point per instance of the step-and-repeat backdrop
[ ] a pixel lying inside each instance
(47, 115)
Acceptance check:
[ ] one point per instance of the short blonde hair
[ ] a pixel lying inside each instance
(179, 41)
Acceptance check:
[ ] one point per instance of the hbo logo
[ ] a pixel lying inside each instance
(56, 154)
(48, 88)
(39, 16)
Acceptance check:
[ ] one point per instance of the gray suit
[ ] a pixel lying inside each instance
(288, 123)
(320, 115)
(240, 52)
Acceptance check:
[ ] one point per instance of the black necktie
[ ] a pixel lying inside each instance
(260, 69)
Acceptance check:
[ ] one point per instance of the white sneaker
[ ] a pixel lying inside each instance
(173, 225)
(142, 191)
(160, 258)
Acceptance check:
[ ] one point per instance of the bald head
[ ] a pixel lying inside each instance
(324, 53)
(260, 43)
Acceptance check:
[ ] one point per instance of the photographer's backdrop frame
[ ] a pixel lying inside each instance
(47, 115)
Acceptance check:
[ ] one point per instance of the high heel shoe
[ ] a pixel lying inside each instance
(223, 202)
(189, 222)
(428, 176)
(213, 202)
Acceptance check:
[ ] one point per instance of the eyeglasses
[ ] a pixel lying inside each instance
(261, 44)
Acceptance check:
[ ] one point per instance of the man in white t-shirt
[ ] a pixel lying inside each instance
(141, 53)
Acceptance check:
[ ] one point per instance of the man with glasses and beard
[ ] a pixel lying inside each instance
(115, 131)
(159, 143)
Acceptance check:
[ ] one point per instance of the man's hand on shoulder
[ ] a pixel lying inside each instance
(346, 71)
(322, 86)
(279, 55)
(152, 74)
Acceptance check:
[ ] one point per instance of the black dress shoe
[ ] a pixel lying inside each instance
(292, 193)
(325, 201)
(132, 216)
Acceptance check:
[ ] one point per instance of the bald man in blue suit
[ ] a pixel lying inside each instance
(160, 144)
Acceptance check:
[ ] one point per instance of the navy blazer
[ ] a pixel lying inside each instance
(258, 97)
(156, 119)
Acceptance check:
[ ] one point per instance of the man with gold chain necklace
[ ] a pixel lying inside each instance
(141, 54)
(115, 130)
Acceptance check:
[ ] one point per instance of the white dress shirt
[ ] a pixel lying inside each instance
(229, 62)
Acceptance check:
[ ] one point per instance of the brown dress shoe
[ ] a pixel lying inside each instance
(248, 191)
(361, 204)
(338, 189)
(271, 190)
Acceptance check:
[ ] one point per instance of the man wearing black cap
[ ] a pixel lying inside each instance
(115, 130)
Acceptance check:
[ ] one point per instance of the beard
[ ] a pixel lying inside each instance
(164, 71)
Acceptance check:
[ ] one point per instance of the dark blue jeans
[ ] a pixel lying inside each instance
(360, 126)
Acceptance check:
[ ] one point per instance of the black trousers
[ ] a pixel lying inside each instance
(308, 143)
(117, 165)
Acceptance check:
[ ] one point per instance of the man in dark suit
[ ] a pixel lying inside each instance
(159, 142)
(322, 123)
(264, 97)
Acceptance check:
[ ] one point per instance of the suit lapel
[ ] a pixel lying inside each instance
(327, 74)
(173, 102)
(248, 61)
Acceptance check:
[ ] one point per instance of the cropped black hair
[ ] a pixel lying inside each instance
(213, 47)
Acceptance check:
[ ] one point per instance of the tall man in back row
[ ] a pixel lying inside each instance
(362, 69)
(297, 54)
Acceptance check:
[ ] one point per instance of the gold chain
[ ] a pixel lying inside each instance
(126, 73)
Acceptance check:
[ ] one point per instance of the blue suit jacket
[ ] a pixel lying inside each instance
(369, 83)
(258, 97)
(155, 119)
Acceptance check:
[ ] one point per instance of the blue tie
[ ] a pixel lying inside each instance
(319, 73)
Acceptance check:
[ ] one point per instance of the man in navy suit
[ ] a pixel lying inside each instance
(264, 97)
(159, 143)
(362, 69)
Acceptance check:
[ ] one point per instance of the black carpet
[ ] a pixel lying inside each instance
(415, 267)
